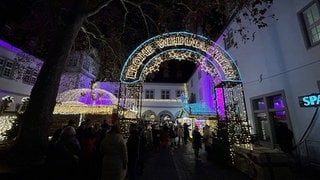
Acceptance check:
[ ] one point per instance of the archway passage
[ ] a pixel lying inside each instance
(147, 57)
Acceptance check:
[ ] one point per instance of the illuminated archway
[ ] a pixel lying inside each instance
(149, 115)
(165, 116)
(147, 57)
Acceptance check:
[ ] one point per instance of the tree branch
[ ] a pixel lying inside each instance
(94, 10)
(141, 12)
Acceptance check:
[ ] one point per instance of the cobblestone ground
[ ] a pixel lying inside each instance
(180, 164)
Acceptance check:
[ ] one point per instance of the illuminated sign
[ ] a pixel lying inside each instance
(312, 100)
(147, 57)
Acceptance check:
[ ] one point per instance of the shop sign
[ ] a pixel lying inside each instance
(312, 100)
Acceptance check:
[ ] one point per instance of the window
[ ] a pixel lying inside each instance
(165, 117)
(311, 20)
(258, 104)
(228, 40)
(86, 64)
(192, 98)
(275, 102)
(165, 94)
(179, 93)
(149, 94)
(30, 76)
(6, 68)
(269, 111)
(73, 62)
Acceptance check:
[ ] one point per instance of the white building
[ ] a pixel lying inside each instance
(18, 73)
(279, 64)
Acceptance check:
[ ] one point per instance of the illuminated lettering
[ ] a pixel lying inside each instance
(310, 100)
(214, 56)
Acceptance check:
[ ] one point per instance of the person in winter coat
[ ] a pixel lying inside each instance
(113, 150)
(180, 133)
(64, 157)
(196, 141)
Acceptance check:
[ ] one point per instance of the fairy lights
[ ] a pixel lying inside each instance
(88, 96)
(6, 122)
(147, 57)
(77, 108)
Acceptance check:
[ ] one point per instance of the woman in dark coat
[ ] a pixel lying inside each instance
(196, 141)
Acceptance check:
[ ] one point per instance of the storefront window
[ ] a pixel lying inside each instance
(275, 102)
(268, 111)
(259, 104)
(278, 115)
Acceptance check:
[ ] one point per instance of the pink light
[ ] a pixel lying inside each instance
(95, 99)
(220, 102)
(206, 90)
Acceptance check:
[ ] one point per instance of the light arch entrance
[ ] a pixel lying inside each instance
(147, 57)
(213, 59)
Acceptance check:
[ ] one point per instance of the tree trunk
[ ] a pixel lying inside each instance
(32, 142)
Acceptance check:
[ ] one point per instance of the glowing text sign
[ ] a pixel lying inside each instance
(140, 60)
(312, 100)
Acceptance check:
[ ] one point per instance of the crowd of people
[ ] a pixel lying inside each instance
(99, 151)
(95, 151)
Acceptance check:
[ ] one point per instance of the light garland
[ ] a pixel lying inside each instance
(98, 96)
(8, 98)
(77, 108)
(6, 122)
(147, 58)
(238, 127)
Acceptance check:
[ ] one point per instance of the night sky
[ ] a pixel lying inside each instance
(173, 71)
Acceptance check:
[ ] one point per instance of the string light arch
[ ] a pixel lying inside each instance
(148, 56)
(211, 57)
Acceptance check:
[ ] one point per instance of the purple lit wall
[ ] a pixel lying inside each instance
(206, 90)
(9, 46)
(220, 102)
(94, 98)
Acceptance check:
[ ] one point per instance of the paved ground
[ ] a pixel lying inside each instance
(173, 164)
(180, 164)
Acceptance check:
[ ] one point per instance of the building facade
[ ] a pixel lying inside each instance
(279, 64)
(18, 73)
